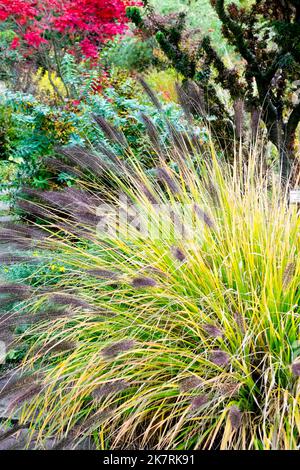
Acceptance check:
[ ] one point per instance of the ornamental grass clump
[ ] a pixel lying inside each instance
(183, 310)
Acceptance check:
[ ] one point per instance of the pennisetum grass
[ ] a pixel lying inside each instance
(200, 351)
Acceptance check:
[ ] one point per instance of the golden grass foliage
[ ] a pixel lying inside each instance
(172, 342)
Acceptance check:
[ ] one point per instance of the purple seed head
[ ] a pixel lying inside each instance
(296, 368)
(143, 282)
(219, 357)
(103, 273)
(114, 349)
(110, 131)
(204, 216)
(154, 270)
(12, 384)
(199, 401)
(190, 383)
(89, 424)
(164, 175)
(151, 94)
(229, 389)
(109, 388)
(153, 134)
(13, 288)
(240, 321)
(81, 157)
(25, 395)
(9, 258)
(213, 330)
(8, 438)
(235, 417)
(288, 274)
(57, 347)
(32, 208)
(149, 195)
(64, 299)
(178, 254)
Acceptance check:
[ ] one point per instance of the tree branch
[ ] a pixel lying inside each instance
(229, 79)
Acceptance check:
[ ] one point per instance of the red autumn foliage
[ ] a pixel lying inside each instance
(87, 23)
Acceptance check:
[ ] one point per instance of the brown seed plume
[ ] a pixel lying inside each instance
(140, 282)
(109, 388)
(204, 216)
(213, 330)
(151, 94)
(65, 299)
(164, 175)
(198, 402)
(235, 417)
(103, 273)
(110, 131)
(190, 383)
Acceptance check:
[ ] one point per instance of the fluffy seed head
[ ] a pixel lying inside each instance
(110, 131)
(149, 195)
(199, 401)
(228, 389)
(103, 273)
(178, 254)
(64, 299)
(11, 385)
(57, 347)
(86, 160)
(152, 133)
(9, 258)
(13, 319)
(92, 422)
(190, 383)
(139, 282)
(296, 368)
(32, 208)
(235, 417)
(25, 395)
(19, 289)
(204, 216)
(213, 330)
(59, 166)
(151, 94)
(109, 388)
(164, 175)
(288, 274)
(240, 321)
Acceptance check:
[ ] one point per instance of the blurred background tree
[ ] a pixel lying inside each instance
(265, 35)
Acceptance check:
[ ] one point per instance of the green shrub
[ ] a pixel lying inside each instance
(200, 16)
(8, 133)
(38, 128)
(163, 82)
(9, 57)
